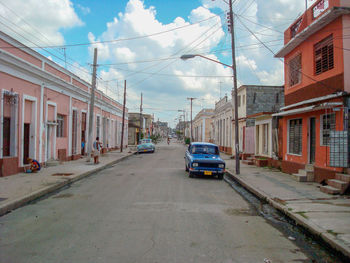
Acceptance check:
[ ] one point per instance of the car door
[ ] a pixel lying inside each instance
(187, 155)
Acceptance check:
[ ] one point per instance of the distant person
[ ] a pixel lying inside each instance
(97, 148)
(82, 147)
(34, 166)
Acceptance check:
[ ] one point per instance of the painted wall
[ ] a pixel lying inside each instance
(322, 152)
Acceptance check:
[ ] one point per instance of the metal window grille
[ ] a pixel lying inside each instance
(295, 136)
(324, 55)
(60, 125)
(295, 70)
(338, 149)
(328, 125)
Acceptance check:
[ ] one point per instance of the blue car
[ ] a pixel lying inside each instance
(146, 145)
(204, 159)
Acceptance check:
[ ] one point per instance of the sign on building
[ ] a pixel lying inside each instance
(320, 7)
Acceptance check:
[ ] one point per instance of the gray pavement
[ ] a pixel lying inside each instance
(324, 215)
(19, 189)
(144, 209)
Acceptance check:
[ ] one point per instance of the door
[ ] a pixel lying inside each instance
(312, 140)
(26, 139)
(6, 136)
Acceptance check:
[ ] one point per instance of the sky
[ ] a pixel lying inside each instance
(141, 41)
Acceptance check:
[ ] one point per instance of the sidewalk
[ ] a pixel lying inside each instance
(19, 189)
(324, 215)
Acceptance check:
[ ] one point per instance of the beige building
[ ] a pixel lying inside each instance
(221, 131)
(201, 125)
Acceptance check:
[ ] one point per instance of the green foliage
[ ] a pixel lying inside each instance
(155, 138)
(187, 140)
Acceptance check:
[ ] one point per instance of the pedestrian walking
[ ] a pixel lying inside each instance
(97, 145)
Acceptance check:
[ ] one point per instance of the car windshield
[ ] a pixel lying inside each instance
(146, 141)
(204, 149)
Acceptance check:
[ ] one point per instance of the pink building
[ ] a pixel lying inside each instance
(44, 110)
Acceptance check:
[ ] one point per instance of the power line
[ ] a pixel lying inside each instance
(118, 40)
(286, 63)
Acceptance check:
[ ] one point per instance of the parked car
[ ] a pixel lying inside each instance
(203, 158)
(146, 145)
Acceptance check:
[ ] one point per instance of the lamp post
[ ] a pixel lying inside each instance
(189, 56)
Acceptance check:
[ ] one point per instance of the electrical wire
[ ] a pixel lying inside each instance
(117, 40)
(286, 63)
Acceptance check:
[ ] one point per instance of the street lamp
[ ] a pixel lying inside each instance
(189, 56)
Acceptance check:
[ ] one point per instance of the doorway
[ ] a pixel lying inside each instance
(312, 140)
(26, 137)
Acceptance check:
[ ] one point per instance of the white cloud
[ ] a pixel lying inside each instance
(40, 21)
(85, 10)
(162, 89)
(243, 61)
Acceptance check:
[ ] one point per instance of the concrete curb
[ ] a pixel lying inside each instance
(313, 228)
(19, 202)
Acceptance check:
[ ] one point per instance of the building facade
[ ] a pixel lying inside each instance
(221, 130)
(317, 83)
(44, 110)
(253, 100)
(201, 125)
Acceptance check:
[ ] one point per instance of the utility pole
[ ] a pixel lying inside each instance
(140, 119)
(191, 99)
(123, 121)
(234, 69)
(92, 105)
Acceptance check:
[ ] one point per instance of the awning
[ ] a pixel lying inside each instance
(326, 105)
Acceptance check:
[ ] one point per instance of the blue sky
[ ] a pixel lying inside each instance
(151, 64)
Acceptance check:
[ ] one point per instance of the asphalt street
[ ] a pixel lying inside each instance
(143, 209)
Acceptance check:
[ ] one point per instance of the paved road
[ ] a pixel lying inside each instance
(144, 209)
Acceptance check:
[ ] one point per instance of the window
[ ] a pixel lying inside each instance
(324, 55)
(295, 28)
(277, 98)
(243, 100)
(328, 125)
(239, 101)
(295, 136)
(60, 125)
(254, 97)
(295, 70)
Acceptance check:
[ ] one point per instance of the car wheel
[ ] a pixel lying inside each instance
(220, 176)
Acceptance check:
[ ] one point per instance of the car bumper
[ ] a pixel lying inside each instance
(207, 172)
(145, 150)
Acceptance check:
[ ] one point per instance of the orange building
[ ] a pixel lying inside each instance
(316, 54)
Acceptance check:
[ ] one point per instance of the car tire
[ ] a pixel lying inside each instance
(220, 176)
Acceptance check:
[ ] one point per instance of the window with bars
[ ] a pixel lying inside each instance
(295, 136)
(324, 55)
(328, 125)
(295, 70)
(60, 126)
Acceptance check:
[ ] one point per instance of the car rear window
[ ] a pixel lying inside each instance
(204, 149)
